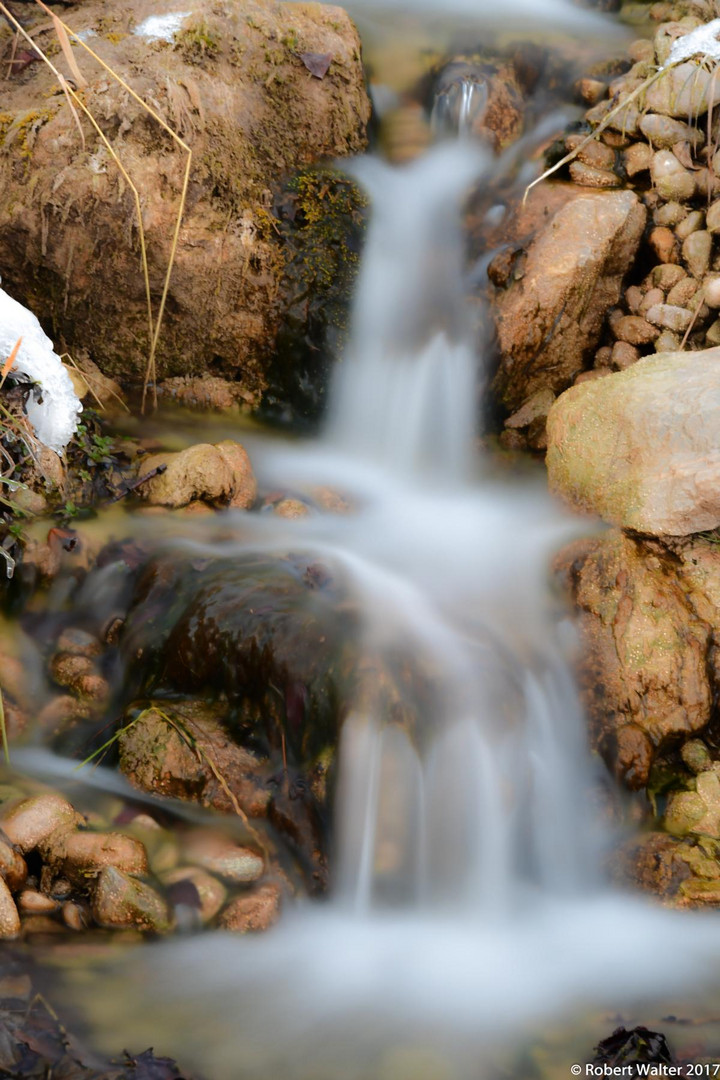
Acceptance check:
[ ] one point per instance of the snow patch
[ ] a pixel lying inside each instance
(700, 42)
(52, 407)
(162, 27)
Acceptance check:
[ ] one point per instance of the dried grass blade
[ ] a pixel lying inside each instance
(67, 52)
(73, 110)
(9, 362)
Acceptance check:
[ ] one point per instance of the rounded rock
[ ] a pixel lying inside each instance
(664, 243)
(13, 868)
(671, 179)
(33, 820)
(635, 330)
(86, 854)
(32, 902)
(254, 912)
(9, 917)
(670, 317)
(211, 892)
(122, 901)
(696, 251)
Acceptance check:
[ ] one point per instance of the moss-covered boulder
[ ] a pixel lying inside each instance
(239, 83)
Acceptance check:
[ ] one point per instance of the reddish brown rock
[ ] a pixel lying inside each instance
(252, 912)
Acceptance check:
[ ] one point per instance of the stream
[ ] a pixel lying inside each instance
(469, 911)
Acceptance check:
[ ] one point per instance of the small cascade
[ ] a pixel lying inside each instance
(458, 106)
(406, 394)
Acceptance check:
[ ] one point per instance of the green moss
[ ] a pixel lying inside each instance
(198, 42)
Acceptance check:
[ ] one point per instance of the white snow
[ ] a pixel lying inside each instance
(162, 27)
(700, 42)
(52, 406)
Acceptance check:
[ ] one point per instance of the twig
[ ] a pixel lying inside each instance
(134, 484)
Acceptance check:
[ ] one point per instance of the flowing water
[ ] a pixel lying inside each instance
(468, 901)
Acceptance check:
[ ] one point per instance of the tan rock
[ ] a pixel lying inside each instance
(218, 855)
(665, 276)
(220, 475)
(291, 508)
(681, 294)
(695, 220)
(637, 158)
(32, 902)
(671, 179)
(592, 177)
(667, 341)
(552, 317)
(671, 213)
(83, 855)
(684, 90)
(652, 297)
(669, 317)
(711, 292)
(13, 868)
(253, 912)
(696, 251)
(623, 355)
(9, 917)
(664, 244)
(713, 217)
(664, 132)
(32, 821)
(635, 330)
(122, 901)
(642, 448)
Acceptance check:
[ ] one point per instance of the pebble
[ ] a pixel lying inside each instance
(122, 901)
(667, 341)
(67, 668)
(633, 298)
(9, 917)
(78, 642)
(32, 902)
(635, 330)
(595, 154)
(664, 132)
(85, 854)
(13, 867)
(664, 243)
(75, 916)
(670, 317)
(692, 223)
(591, 177)
(711, 292)
(712, 337)
(253, 912)
(218, 855)
(665, 276)
(696, 755)
(684, 90)
(670, 213)
(637, 158)
(696, 250)
(652, 297)
(603, 357)
(624, 355)
(291, 508)
(33, 820)
(712, 220)
(671, 179)
(681, 294)
(591, 90)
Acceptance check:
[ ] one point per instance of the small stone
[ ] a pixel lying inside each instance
(221, 475)
(634, 298)
(83, 855)
(684, 90)
(667, 341)
(33, 820)
(9, 917)
(122, 901)
(681, 294)
(663, 242)
(671, 213)
(692, 223)
(707, 185)
(591, 90)
(211, 892)
(623, 355)
(666, 275)
(77, 642)
(664, 132)
(93, 688)
(635, 330)
(712, 219)
(652, 297)
(712, 336)
(13, 867)
(32, 902)
(637, 158)
(253, 912)
(711, 292)
(216, 854)
(67, 668)
(696, 755)
(696, 252)
(75, 916)
(669, 317)
(603, 357)
(642, 51)
(594, 154)
(291, 508)
(593, 178)
(670, 178)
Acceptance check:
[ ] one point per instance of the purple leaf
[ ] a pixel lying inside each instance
(317, 63)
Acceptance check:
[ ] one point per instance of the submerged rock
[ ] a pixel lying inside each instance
(642, 448)
(254, 911)
(122, 901)
(552, 312)
(28, 823)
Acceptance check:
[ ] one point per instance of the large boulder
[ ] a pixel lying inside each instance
(642, 447)
(648, 613)
(243, 85)
(550, 316)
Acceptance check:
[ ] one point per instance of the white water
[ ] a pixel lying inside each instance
(468, 902)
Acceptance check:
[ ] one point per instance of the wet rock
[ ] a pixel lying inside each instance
(77, 642)
(156, 758)
(75, 916)
(13, 868)
(549, 319)
(696, 755)
(122, 901)
(681, 294)
(696, 251)
(253, 114)
(32, 821)
(684, 90)
(252, 912)
(664, 132)
(9, 917)
(637, 159)
(32, 902)
(695, 220)
(211, 893)
(670, 213)
(291, 508)
(80, 856)
(670, 178)
(623, 355)
(646, 614)
(220, 474)
(229, 861)
(641, 448)
(208, 393)
(590, 177)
